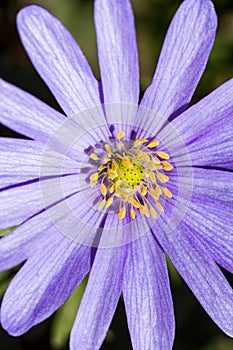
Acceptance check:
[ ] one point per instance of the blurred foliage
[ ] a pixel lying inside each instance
(64, 318)
(194, 329)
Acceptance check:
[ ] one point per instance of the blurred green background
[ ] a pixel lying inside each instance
(194, 329)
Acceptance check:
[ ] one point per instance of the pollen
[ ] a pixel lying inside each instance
(130, 177)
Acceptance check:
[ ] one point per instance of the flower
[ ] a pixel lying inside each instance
(111, 186)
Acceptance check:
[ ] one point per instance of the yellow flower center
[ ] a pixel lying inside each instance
(135, 175)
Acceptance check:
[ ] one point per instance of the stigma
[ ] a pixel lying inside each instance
(131, 176)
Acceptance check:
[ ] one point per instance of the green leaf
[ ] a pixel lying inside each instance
(64, 318)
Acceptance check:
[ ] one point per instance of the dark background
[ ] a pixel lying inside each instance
(194, 329)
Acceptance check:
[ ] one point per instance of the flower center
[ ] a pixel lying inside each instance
(133, 174)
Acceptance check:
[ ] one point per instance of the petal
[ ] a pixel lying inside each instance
(26, 114)
(99, 300)
(213, 185)
(147, 296)
(206, 129)
(58, 60)
(213, 227)
(44, 283)
(117, 50)
(210, 213)
(200, 272)
(20, 202)
(183, 58)
(25, 160)
(17, 245)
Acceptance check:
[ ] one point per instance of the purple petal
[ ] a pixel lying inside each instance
(26, 114)
(200, 272)
(99, 300)
(17, 245)
(22, 201)
(44, 283)
(183, 58)
(210, 213)
(147, 296)
(117, 50)
(58, 59)
(206, 129)
(25, 160)
(213, 227)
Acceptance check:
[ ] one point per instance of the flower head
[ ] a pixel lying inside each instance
(112, 185)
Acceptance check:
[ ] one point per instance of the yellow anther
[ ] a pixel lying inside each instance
(156, 192)
(153, 212)
(111, 188)
(109, 202)
(141, 209)
(145, 157)
(101, 167)
(167, 166)
(120, 146)
(144, 191)
(94, 177)
(108, 148)
(112, 175)
(134, 202)
(152, 176)
(139, 142)
(153, 144)
(114, 166)
(103, 189)
(162, 178)
(156, 160)
(146, 210)
(120, 172)
(159, 206)
(93, 156)
(158, 167)
(120, 135)
(163, 155)
(152, 165)
(122, 213)
(127, 163)
(102, 204)
(167, 192)
(132, 213)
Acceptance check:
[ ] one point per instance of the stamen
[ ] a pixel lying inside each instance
(167, 166)
(132, 213)
(159, 206)
(139, 142)
(120, 135)
(162, 178)
(153, 144)
(103, 189)
(102, 204)
(122, 213)
(167, 192)
(132, 176)
(153, 212)
(163, 155)
(93, 156)
(109, 202)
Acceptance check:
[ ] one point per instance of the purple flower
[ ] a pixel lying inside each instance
(109, 186)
